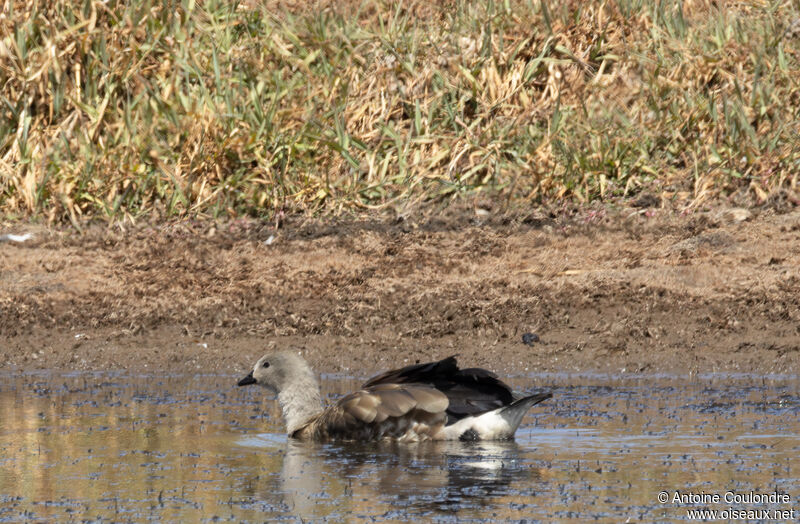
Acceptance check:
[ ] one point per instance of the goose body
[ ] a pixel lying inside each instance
(431, 401)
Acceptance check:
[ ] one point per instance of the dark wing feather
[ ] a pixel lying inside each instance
(469, 391)
(416, 373)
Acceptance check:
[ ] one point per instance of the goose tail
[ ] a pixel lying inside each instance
(514, 412)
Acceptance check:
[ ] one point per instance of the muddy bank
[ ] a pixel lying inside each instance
(643, 291)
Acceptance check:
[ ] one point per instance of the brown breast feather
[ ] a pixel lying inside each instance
(381, 411)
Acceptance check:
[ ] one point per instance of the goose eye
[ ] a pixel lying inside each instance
(265, 365)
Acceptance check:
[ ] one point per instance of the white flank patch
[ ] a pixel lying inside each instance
(488, 426)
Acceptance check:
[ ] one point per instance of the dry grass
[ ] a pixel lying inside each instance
(123, 109)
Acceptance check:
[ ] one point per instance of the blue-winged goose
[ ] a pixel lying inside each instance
(432, 401)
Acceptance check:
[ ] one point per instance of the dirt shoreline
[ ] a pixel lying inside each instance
(634, 290)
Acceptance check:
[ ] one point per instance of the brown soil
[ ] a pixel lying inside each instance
(604, 291)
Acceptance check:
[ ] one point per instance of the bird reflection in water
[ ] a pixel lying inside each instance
(438, 476)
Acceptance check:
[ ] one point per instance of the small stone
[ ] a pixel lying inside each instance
(530, 339)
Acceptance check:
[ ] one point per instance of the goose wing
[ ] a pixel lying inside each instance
(412, 411)
(469, 391)
(426, 373)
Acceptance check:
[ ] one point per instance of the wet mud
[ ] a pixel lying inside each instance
(625, 291)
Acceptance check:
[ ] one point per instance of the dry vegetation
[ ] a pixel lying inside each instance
(127, 109)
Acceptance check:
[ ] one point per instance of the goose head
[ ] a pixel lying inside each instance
(277, 371)
(290, 378)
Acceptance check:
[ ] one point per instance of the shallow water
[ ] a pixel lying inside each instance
(176, 448)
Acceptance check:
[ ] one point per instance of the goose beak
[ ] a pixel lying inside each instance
(246, 381)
